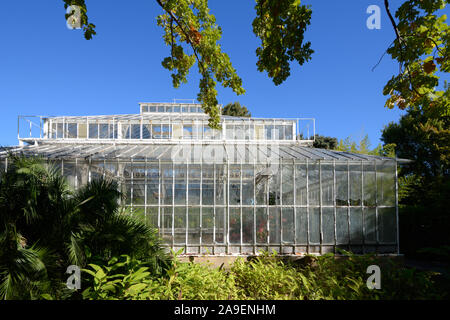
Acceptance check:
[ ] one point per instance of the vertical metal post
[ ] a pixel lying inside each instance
(307, 208)
(214, 209)
(320, 208)
(254, 206)
(334, 204)
(159, 198)
(132, 187)
(348, 204)
(201, 205)
(376, 206)
(145, 186)
(76, 175)
(173, 205)
(268, 207)
(294, 168)
(362, 207)
(281, 205)
(396, 206)
(240, 207)
(228, 208)
(89, 169)
(187, 206)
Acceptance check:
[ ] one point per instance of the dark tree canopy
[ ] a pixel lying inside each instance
(236, 110)
(324, 142)
(422, 139)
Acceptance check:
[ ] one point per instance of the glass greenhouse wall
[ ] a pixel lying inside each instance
(228, 193)
(299, 206)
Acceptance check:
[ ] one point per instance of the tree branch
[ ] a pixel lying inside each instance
(400, 42)
(200, 62)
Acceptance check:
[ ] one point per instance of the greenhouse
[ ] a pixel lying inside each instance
(255, 185)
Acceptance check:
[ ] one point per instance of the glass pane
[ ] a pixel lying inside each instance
(288, 132)
(261, 185)
(166, 131)
(386, 184)
(180, 225)
(342, 225)
(221, 180)
(313, 183)
(156, 131)
(93, 131)
(71, 132)
(138, 193)
(69, 172)
(187, 132)
(387, 225)
(207, 225)
(247, 185)
(104, 131)
(194, 226)
(113, 131)
(152, 216)
(288, 224)
(152, 183)
(220, 225)
(269, 132)
(341, 185)
(274, 189)
(135, 131)
(146, 131)
(356, 220)
(370, 225)
(229, 132)
(328, 225)
(288, 184)
(59, 131)
(369, 185)
(235, 225)
(194, 184)
(180, 184)
(247, 225)
(301, 225)
(235, 184)
(261, 225)
(314, 225)
(274, 225)
(166, 223)
(300, 184)
(126, 134)
(327, 184)
(82, 131)
(355, 184)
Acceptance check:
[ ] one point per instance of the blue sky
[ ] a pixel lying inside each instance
(47, 69)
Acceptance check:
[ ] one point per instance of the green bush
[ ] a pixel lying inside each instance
(265, 277)
(127, 278)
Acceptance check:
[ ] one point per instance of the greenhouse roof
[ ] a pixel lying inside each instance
(161, 117)
(188, 152)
